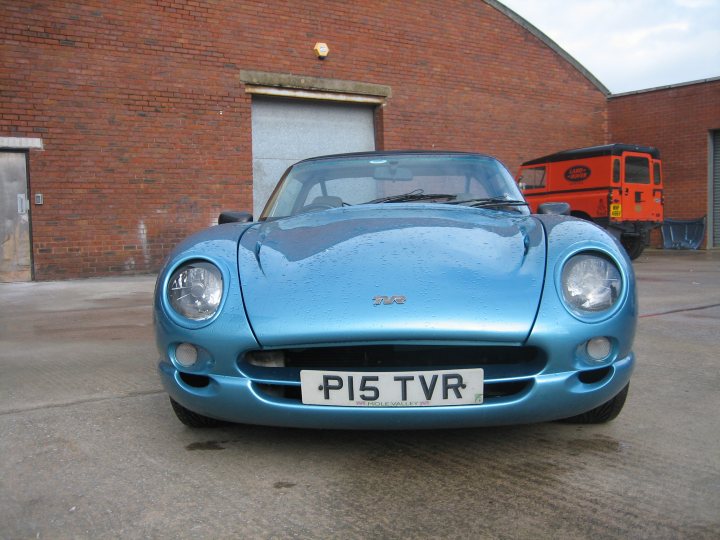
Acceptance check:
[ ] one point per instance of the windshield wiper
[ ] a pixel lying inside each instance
(416, 195)
(490, 201)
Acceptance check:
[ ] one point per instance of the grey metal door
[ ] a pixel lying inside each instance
(286, 131)
(715, 167)
(14, 218)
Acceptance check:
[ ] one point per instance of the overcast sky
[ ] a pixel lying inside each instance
(633, 44)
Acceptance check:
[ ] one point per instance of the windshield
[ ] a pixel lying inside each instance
(465, 179)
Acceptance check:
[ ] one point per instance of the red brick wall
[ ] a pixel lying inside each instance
(677, 121)
(146, 126)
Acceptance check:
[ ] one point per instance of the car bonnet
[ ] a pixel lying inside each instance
(393, 273)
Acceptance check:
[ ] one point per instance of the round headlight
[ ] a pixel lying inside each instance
(195, 290)
(590, 283)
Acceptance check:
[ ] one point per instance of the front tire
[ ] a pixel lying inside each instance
(603, 413)
(192, 419)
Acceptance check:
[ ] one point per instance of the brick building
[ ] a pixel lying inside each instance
(135, 124)
(684, 122)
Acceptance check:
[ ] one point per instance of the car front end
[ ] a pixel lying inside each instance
(409, 315)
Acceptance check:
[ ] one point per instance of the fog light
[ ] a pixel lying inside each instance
(266, 358)
(598, 348)
(186, 354)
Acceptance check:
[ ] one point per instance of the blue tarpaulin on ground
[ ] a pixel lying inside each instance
(683, 233)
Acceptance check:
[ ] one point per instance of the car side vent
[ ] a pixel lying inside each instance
(196, 381)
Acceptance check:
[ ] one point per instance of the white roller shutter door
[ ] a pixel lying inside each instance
(286, 131)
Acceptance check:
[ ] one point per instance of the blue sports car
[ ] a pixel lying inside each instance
(397, 290)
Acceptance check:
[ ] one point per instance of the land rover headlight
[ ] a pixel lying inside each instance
(591, 283)
(195, 290)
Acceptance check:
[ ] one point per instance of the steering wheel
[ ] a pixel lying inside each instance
(315, 207)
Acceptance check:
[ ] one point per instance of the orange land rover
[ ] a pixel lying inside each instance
(617, 186)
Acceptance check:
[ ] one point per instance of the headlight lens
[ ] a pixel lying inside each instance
(195, 290)
(590, 283)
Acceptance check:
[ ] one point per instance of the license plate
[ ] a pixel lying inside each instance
(616, 210)
(392, 389)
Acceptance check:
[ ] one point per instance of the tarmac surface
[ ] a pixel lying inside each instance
(91, 448)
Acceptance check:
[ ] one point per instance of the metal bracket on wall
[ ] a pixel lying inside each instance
(22, 204)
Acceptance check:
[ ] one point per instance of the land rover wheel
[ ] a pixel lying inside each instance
(634, 245)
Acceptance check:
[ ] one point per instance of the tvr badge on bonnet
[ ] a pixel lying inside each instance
(387, 300)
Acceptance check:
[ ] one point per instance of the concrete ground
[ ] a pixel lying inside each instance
(91, 449)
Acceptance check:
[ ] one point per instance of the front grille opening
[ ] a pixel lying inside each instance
(504, 389)
(282, 391)
(593, 375)
(395, 356)
(491, 391)
(407, 355)
(196, 381)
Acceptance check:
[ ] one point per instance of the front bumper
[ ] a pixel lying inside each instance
(547, 397)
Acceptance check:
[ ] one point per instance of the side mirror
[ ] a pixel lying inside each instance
(234, 217)
(554, 208)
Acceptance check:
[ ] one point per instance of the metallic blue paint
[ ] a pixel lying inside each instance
(552, 396)
(471, 277)
(467, 274)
